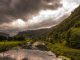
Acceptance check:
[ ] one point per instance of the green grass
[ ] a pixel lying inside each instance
(9, 42)
(8, 45)
(62, 50)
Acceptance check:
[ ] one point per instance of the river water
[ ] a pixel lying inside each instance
(27, 54)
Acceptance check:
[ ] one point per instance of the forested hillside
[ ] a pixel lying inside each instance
(65, 37)
(68, 30)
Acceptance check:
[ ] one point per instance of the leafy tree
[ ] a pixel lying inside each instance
(18, 38)
(3, 38)
(74, 38)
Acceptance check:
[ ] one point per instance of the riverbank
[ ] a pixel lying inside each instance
(60, 50)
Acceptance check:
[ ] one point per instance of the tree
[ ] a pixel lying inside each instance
(3, 38)
(19, 38)
(74, 38)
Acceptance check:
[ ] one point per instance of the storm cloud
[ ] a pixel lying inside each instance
(14, 9)
(20, 15)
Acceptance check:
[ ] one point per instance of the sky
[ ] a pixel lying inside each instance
(23, 15)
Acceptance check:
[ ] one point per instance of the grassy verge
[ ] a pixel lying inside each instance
(62, 50)
(8, 45)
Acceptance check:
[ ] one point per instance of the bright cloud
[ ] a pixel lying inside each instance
(19, 23)
(55, 15)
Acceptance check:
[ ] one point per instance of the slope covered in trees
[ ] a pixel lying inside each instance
(65, 38)
(68, 30)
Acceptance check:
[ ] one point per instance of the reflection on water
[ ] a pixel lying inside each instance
(25, 54)
(9, 58)
(6, 58)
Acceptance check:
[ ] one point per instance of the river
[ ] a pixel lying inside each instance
(27, 54)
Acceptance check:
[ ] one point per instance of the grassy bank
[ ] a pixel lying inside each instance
(62, 50)
(8, 45)
(59, 49)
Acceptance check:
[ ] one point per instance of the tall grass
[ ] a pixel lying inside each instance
(8, 45)
(62, 50)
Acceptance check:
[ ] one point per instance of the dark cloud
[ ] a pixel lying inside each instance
(13, 9)
(31, 6)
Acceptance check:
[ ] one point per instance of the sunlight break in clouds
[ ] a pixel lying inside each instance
(54, 15)
(19, 23)
(70, 5)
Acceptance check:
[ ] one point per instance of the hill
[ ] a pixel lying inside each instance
(68, 30)
(34, 34)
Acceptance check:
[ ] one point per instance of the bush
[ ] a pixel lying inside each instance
(8, 45)
(62, 50)
(74, 38)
